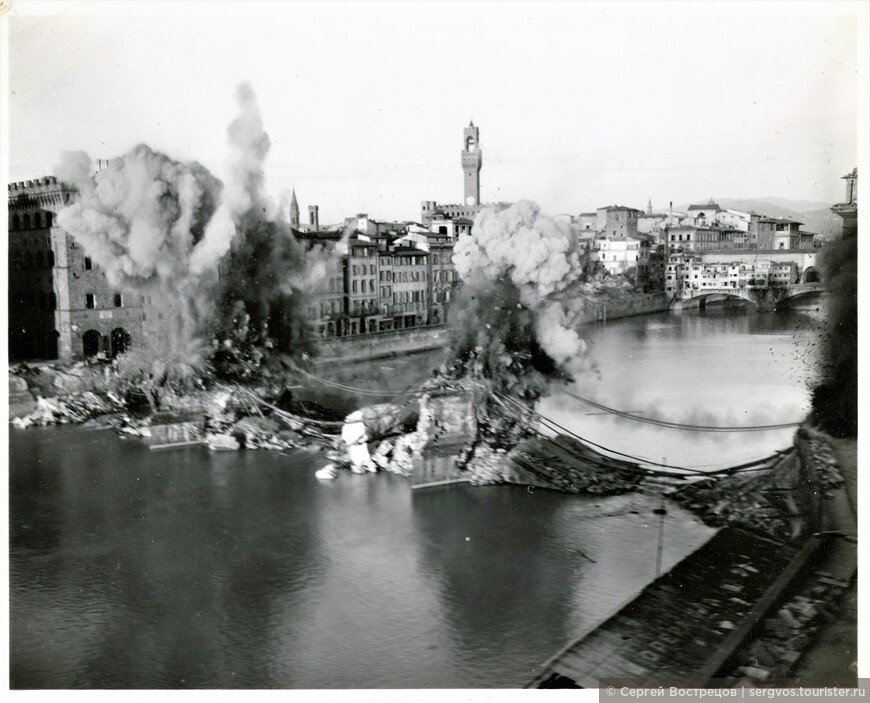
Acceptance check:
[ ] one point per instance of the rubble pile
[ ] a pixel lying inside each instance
(566, 464)
(822, 452)
(787, 633)
(55, 380)
(259, 433)
(397, 454)
(72, 408)
(489, 466)
(772, 501)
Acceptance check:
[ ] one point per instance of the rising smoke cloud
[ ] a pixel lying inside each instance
(244, 191)
(517, 311)
(161, 228)
(541, 259)
(835, 398)
(140, 219)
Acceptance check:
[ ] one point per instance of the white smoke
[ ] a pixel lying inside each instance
(139, 219)
(541, 258)
(159, 227)
(244, 190)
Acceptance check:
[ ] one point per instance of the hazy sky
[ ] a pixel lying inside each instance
(579, 105)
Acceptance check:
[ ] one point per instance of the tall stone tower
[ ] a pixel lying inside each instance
(294, 211)
(472, 160)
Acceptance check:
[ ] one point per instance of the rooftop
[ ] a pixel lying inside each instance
(611, 208)
(710, 205)
(410, 251)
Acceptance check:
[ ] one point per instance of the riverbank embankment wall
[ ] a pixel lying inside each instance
(381, 344)
(405, 341)
(630, 307)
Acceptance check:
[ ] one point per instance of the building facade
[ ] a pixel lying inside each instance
(625, 256)
(410, 287)
(61, 305)
(617, 221)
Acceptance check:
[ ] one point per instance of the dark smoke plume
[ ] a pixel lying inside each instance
(513, 322)
(835, 399)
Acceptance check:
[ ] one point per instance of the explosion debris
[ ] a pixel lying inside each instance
(212, 256)
(513, 317)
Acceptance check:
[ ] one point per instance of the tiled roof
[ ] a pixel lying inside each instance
(410, 251)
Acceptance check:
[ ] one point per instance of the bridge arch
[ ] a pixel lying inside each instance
(720, 293)
(811, 275)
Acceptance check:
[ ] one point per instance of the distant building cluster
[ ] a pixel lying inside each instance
(391, 275)
(685, 271)
(629, 241)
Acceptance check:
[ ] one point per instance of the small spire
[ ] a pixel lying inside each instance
(471, 123)
(293, 198)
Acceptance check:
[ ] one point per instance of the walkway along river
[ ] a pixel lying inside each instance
(131, 568)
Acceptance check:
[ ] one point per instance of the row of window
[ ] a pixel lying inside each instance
(446, 276)
(24, 222)
(370, 306)
(410, 296)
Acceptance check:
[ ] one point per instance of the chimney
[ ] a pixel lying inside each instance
(314, 217)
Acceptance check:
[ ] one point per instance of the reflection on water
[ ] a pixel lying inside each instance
(719, 368)
(139, 569)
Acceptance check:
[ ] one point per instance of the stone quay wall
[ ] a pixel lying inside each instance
(615, 309)
(382, 344)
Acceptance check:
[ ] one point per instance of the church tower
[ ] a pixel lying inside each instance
(472, 160)
(294, 211)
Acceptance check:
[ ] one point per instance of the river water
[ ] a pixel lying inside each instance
(187, 569)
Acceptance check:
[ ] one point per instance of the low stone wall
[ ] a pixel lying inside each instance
(381, 344)
(615, 309)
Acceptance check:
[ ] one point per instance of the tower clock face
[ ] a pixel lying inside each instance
(470, 200)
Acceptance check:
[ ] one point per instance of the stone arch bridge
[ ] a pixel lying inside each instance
(765, 298)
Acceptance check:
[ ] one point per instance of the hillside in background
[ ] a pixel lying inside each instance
(816, 216)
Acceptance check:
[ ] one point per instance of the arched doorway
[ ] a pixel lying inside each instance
(811, 275)
(120, 341)
(91, 343)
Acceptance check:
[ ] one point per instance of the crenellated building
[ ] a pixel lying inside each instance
(61, 306)
(472, 161)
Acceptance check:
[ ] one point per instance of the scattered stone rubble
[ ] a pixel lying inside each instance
(72, 408)
(822, 452)
(231, 421)
(784, 636)
(773, 501)
(566, 464)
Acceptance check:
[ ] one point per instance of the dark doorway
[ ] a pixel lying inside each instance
(120, 341)
(91, 343)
